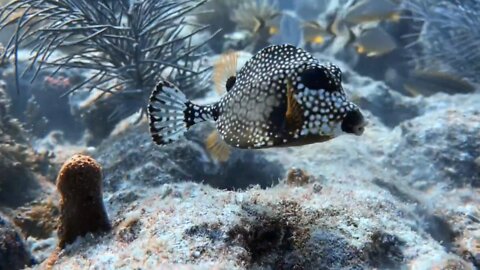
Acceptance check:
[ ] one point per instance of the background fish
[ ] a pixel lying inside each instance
(372, 11)
(374, 42)
(290, 31)
(427, 83)
(314, 33)
(281, 97)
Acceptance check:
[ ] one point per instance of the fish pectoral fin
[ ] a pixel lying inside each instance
(294, 112)
(273, 30)
(395, 17)
(318, 39)
(217, 147)
(224, 72)
(411, 90)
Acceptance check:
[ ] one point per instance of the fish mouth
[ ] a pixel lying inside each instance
(359, 129)
(354, 123)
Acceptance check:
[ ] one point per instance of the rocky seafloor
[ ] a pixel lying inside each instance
(405, 195)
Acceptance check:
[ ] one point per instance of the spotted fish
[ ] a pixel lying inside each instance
(282, 96)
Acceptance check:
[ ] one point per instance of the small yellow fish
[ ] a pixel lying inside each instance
(374, 42)
(314, 33)
(372, 11)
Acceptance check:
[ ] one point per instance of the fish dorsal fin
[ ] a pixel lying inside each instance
(217, 147)
(225, 71)
(294, 112)
(313, 32)
(259, 24)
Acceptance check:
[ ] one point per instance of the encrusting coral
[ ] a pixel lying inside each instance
(14, 253)
(81, 205)
(38, 219)
(19, 163)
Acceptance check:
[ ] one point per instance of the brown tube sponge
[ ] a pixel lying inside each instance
(81, 206)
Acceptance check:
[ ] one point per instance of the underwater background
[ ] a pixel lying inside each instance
(83, 186)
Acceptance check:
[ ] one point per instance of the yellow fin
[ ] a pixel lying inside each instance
(217, 147)
(294, 113)
(272, 30)
(224, 68)
(395, 17)
(259, 23)
(318, 40)
(361, 49)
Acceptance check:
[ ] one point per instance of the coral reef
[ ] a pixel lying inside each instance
(449, 147)
(404, 195)
(20, 165)
(384, 251)
(297, 177)
(38, 219)
(14, 253)
(82, 211)
(39, 105)
(355, 202)
(279, 228)
(124, 52)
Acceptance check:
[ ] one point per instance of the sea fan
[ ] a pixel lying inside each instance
(449, 35)
(123, 45)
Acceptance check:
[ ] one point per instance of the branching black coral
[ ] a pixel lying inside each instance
(449, 34)
(123, 45)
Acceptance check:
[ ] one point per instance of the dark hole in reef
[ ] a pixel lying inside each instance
(440, 230)
(242, 170)
(266, 237)
(210, 231)
(384, 251)
(18, 186)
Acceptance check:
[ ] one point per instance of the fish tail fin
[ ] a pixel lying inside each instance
(171, 114)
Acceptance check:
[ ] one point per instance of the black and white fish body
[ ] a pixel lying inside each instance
(282, 96)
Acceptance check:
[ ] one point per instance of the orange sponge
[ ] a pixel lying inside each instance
(81, 205)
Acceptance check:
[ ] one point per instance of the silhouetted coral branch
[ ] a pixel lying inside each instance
(124, 45)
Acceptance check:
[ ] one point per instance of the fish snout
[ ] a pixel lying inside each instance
(354, 123)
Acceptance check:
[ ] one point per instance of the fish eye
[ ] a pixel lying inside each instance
(230, 82)
(318, 78)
